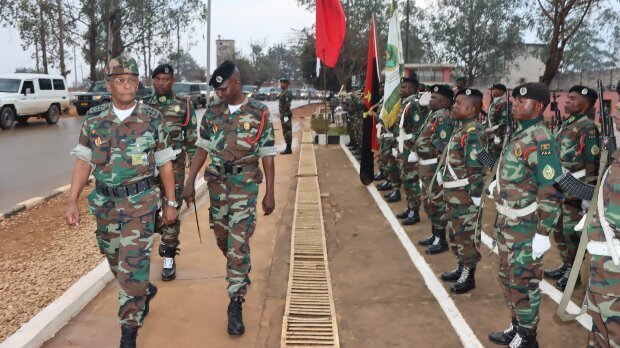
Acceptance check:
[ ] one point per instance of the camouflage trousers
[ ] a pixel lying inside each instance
(411, 183)
(359, 129)
(127, 247)
(170, 233)
(564, 234)
(434, 206)
(519, 275)
(605, 313)
(233, 214)
(384, 154)
(287, 128)
(462, 230)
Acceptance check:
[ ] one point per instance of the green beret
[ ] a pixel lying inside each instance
(162, 69)
(443, 90)
(222, 73)
(534, 91)
(585, 92)
(470, 92)
(122, 65)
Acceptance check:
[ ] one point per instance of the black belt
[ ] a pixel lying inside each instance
(127, 190)
(231, 169)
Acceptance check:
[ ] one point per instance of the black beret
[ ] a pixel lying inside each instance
(499, 86)
(284, 79)
(443, 90)
(162, 69)
(222, 73)
(585, 91)
(411, 80)
(470, 92)
(534, 91)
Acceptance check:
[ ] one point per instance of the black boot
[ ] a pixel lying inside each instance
(169, 271)
(152, 291)
(129, 334)
(428, 240)
(465, 282)
(379, 176)
(403, 214)
(288, 150)
(358, 157)
(504, 337)
(413, 218)
(351, 145)
(525, 338)
(394, 196)
(384, 186)
(439, 244)
(561, 283)
(453, 275)
(556, 273)
(235, 317)
(355, 152)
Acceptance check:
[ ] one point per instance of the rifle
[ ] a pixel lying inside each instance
(557, 117)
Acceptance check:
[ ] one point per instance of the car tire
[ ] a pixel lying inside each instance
(81, 111)
(7, 117)
(53, 114)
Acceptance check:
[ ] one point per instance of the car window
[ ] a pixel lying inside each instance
(194, 88)
(98, 87)
(203, 87)
(45, 84)
(140, 85)
(28, 85)
(59, 85)
(180, 88)
(264, 90)
(9, 85)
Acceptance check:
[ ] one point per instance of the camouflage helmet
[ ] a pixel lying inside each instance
(122, 65)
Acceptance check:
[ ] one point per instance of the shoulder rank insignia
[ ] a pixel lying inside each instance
(416, 117)
(162, 99)
(98, 141)
(246, 126)
(518, 152)
(443, 134)
(595, 150)
(177, 108)
(548, 172)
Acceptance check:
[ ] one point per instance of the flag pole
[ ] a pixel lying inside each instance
(331, 118)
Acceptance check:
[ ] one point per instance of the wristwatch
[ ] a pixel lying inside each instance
(173, 204)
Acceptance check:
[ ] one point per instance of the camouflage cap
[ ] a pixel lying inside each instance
(122, 65)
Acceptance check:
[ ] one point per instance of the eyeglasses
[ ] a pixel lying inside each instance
(124, 82)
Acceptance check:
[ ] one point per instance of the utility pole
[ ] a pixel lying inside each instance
(75, 67)
(208, 51)
(407, 34)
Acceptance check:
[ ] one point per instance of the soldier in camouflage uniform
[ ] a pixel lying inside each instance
(180, 119)
(411, 122)
(286, 115)
(235, 132)
(496, 119)
(604, 286)
(528, 208)
(124, 142)
(578, 138)
(463, 183)
(429, 146)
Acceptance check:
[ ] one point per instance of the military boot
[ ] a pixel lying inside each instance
(413, 218)
(152, 291)
(351, 145)
(358, 157)
(561, 283)
(235, 317)
(556, 273)
(129, 334)
(384, 186)
(504, 337)
(428, 240)
(394, 196)
(288, 150)
(525, 338)
(355, 152)
(465, 282)
(404, 213)
(453, 275)
(439, 244)
(379, 176)
(169, 270)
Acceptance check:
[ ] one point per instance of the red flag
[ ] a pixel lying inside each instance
(330, 29)
(371, 91)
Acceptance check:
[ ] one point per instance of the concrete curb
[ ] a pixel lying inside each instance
(45, 324)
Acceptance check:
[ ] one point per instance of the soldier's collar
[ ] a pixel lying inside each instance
(523, 125)
(168, 97)
(573, 117)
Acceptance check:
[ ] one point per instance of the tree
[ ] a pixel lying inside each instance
(188, 69)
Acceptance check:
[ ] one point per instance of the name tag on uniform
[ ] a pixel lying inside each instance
(139, 159)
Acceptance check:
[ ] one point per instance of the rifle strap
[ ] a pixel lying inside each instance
(444, 154)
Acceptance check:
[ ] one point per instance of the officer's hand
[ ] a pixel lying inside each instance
(72, 214)
(492, 188)
(540, 245)
(496, 140)
(476, 201)
(189, 193)
(394, 153)
(585, 204)
(269, 204)
(413, 157)
(170, 215)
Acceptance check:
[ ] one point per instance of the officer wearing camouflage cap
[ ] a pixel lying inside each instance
(124, 142)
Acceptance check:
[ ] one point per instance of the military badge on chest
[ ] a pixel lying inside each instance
(162, 99)
(139, 159)
(545, 149)
(548, 172)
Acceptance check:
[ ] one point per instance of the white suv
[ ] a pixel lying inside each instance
(32, 95)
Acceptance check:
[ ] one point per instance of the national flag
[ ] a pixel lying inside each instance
(371, 97)
(393, 71)
(330, 29)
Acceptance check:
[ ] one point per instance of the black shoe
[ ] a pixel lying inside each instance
(169, 270)
(561, 283)
(453, 275)
(152, 289)
(525, 338)
(235, 317)
(428, 240)
(504, 337)
(384, 186)
(404, 214)
(412, 219)
(556, 273)
(355, 152)
(351, 145)
(465, 282)
(394, 196)
(439, 246)
(129, 334)
(379, 176)
(287, 151)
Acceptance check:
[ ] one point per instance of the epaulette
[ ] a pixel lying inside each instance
(149, 111)
(99, 108)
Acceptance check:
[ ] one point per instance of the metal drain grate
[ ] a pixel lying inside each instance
(309, 317)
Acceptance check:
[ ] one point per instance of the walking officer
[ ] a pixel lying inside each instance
(286, 115)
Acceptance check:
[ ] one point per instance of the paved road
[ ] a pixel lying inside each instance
(35, 157)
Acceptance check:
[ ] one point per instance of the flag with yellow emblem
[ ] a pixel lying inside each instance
(393, 70)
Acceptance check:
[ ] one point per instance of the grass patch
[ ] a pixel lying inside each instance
(324, 126)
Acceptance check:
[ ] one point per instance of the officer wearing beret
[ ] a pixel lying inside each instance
(286, 115)
(463, 183)
(429, 146)
(461, 82)
(124, 141)
(180, 118)
(235, 132)
(496, 119)
(578, 138)
(528, 207)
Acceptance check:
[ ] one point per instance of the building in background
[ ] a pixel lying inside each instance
(430, 74)
(224, 49)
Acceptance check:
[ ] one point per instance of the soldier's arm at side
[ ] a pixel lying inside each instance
(81, 171)
(549, 198)
(166, 174)
(191, 135)
(592, 154)
(199, 160)
(269, 202)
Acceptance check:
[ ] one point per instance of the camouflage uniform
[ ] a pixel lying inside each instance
(528, 167)
(286, 115)
(235, 143)
(180, 119)
(125, 153)
(497, 116)
(358, 118)
(412, 124)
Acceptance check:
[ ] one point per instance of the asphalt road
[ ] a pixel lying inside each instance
(35, 157)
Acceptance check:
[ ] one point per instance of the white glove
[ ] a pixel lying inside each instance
(439, 179)
(496, 140)
(476, 201)
(378, 126)
(585, 205)
(540, 245)
(492, 188)
(394, 153)
(286, 119)
(581, 224)
(413, 157)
